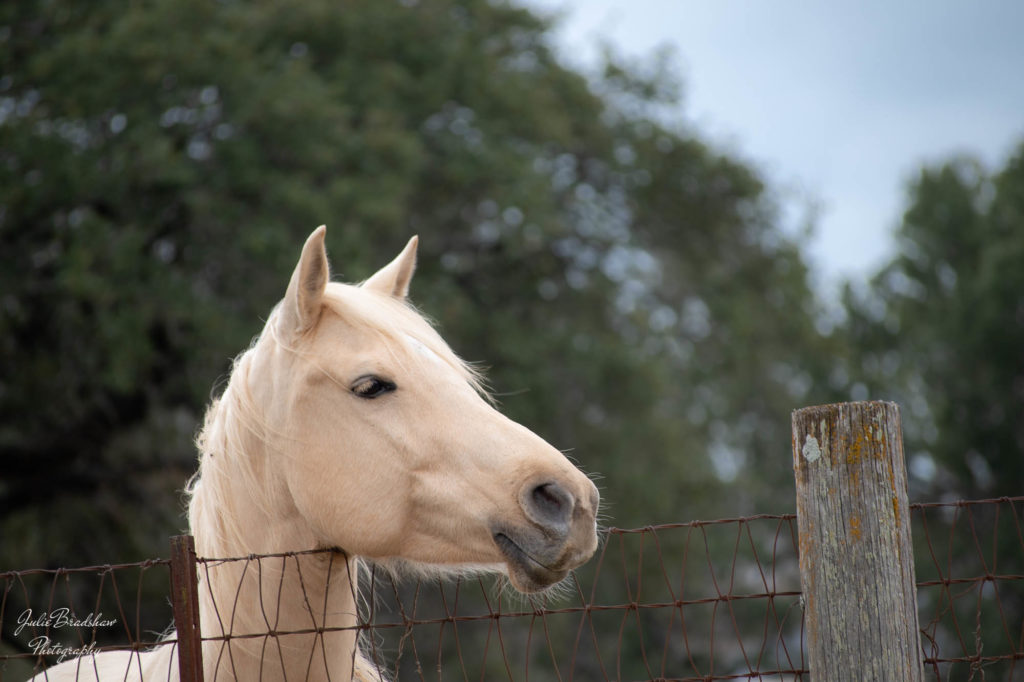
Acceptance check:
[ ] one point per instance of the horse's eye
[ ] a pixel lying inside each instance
(372, 387)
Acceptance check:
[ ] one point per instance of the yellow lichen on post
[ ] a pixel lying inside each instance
(856, 562)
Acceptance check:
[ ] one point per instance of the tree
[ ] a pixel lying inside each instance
(160, 164)
(942, 327)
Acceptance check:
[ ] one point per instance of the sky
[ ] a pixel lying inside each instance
(838, 104)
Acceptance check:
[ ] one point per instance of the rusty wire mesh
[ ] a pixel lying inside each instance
(969, 558)
(705, 600)
(50, 615)
(712, 600)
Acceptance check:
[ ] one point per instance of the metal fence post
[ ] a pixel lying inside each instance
(856, 557)
(185, 601)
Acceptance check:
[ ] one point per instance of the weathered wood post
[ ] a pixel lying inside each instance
(856, 558)
(185, 602)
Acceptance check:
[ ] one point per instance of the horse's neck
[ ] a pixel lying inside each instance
(235, 512)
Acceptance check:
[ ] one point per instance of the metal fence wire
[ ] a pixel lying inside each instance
(51, 615)
(970, 590)
(704, 600)
(712, 600)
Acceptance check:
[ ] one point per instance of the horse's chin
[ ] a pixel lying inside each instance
(329, 550)
(524, 572)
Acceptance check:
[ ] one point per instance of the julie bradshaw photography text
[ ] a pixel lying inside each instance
(55, 620)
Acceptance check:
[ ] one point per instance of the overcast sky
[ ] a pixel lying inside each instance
(837, 103)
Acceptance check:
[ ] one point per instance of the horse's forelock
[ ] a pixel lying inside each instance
(394, 320)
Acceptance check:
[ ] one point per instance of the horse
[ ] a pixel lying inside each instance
(350, 427)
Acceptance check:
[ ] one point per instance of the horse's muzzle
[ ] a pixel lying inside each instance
(560, 534)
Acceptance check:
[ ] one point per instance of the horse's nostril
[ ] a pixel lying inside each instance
(551, 504)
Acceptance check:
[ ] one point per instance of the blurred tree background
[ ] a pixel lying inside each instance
(628, 285)
(940, 329)
(631, 287)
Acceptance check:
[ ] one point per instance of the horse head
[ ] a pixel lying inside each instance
(388, 448)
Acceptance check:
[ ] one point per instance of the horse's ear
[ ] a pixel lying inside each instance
(393, 279)
(301, 306)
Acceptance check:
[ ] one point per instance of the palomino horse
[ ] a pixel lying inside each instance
(349, 425)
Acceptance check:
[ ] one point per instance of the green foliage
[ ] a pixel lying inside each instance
(161, 163)
(942, 326)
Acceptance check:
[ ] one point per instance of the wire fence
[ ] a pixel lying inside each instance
(703, 600)
(970, 589)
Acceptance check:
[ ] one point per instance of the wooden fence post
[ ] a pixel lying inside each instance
(856, 557)
(185, 601)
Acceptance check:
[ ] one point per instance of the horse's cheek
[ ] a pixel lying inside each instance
(330, 492)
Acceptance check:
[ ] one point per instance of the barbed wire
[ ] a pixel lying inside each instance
(700, 600)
